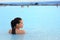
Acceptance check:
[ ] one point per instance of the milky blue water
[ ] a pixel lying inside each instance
(40, 22)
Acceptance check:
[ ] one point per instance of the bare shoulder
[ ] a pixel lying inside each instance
(20, 32)
(17, 31)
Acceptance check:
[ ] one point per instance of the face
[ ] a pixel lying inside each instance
(20, 25)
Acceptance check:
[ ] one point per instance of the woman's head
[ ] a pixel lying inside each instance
(16, 23)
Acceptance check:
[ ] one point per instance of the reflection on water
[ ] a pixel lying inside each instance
(27, 36)
(17, 37)
(35, 36)
(31, 36)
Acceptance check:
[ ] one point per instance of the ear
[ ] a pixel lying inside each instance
(16, 24)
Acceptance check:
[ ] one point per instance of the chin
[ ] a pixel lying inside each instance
(21, 27)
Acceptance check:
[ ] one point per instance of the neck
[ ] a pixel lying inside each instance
(17, 28)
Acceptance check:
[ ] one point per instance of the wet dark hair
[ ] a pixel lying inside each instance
(13, 24)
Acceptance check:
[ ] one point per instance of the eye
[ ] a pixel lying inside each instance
(21, 23)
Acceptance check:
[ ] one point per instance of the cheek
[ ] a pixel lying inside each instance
(21, 25)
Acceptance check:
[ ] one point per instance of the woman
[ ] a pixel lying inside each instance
(16, 26)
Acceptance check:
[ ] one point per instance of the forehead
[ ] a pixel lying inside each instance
(21, 21)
